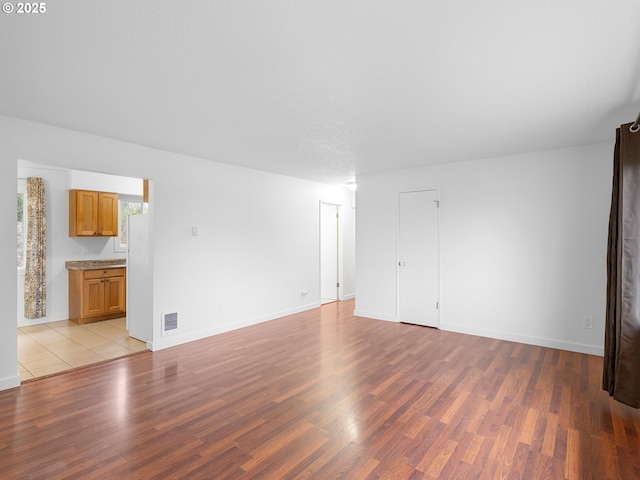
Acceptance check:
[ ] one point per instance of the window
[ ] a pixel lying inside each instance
(127, 205)
(22, 224)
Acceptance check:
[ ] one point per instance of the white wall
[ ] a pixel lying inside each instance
(84, 180)
(257, 250)
(61, 247)
(348, 226)
(523, 245)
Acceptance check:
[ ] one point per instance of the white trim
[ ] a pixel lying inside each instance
(514, 337)
(375, 316)
(340, 240)
(173, 340)
(130, 198)
(28, 322)
(10, 382)
(22, 189)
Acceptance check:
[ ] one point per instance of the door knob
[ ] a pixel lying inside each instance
(402, 264)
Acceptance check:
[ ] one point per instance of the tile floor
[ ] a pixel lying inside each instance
(58, 346)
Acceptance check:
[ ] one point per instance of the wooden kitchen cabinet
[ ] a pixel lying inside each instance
(97, 294)
(93, 214)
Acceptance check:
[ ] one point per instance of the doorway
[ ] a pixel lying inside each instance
(329, 253)
(41, 346)
(418, 258)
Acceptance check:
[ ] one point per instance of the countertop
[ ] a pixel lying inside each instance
(95, 264)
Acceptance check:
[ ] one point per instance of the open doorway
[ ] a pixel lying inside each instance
(54, 343)
(329, 253)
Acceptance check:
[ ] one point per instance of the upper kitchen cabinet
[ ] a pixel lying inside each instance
(93, 214)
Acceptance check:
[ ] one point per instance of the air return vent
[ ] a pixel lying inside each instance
(169, 323)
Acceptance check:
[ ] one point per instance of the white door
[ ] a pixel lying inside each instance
(139, 279)
(418, 284)
(328, 253)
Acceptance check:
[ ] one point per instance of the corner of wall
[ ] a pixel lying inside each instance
(10, 382)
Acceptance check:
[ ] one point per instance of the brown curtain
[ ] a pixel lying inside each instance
(621, 373)
(35, 277)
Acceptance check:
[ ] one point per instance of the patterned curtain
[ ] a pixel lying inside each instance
(35, 278)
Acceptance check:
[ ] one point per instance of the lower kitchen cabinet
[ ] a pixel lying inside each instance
(97, 294)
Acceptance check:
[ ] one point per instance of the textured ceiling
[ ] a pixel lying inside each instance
(325, 90)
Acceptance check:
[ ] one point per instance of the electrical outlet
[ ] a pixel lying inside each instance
(588, 322)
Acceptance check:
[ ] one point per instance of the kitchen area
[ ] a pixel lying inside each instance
(86, 272)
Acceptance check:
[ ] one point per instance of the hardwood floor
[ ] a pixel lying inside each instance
(324, 394)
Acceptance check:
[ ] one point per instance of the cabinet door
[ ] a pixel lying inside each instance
(108, 214)
(83, 213)
(93, 297)
(114, 295)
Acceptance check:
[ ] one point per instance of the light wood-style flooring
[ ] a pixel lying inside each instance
(56, 347)
(321, 395)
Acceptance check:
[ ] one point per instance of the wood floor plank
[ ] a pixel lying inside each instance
(324, 394)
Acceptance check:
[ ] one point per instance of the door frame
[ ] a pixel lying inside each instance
(140, 287)
(438, 250)
(54, 165)
(339, 259)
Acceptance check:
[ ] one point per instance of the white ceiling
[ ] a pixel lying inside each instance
(328, 89)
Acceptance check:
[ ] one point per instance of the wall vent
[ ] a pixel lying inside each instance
(169, 323)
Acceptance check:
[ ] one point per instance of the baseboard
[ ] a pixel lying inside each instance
(27, 322)
(10, 382)
(514, 337)
(375, 316)
(350, 296)
(177, 339)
